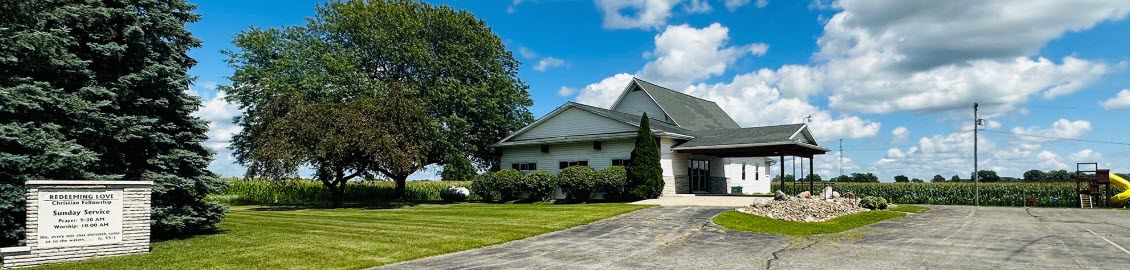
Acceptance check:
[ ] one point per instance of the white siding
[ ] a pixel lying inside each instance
(757, 179)
(598, 159)
(638, 102)
(573, 122)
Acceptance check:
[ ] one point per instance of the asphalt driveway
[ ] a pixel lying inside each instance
(948, 237)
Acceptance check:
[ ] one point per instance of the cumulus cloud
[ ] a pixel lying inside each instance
(548, 63)
(890, 56)
(754, 101)
(698, 6)
(900, 134)
(684, 54)
(1119, 101)
(1061, 128)
(641, 14)
(566, 91)
(1085, 155)
(219, 113)
(605, 92)
(514, 5)
(527, 52)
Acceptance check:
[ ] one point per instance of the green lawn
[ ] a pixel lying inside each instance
(354, 238)
(909, 208)
(754, 223)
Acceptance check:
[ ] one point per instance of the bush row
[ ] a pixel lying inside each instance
(578, 183)
(992, 194)
(301, 191)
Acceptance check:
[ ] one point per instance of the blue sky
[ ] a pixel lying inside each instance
(894, 79)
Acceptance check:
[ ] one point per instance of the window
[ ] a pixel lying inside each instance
(743, 171)
(756, 172)
(525, 166)
(621, 162)
(596, 145)
(545, 148)
(567, 164)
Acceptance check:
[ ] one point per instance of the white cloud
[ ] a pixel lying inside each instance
(1061, 128)
(890, 56)
(698, 6)
(761, 3)
(527, 52)
(605, 92)
(642, 14)
(828, 166)
(684, 54)
(548, 63)
(900, 134)
(753, 100)
(566, 91)
(1085, 155)
(733, 5)
(1120, 101)
(514, 5)
(219, 113)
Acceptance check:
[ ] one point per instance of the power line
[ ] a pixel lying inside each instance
(887, 147)
(1053, 137)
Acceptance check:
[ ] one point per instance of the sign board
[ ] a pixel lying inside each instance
(70, 217)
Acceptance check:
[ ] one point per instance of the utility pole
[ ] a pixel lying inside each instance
(841, 157)
(976, 172)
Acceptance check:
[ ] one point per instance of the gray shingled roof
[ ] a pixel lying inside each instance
(688, 111)
(631, 119)
(751, 135)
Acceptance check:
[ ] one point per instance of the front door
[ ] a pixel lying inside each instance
(699, 174)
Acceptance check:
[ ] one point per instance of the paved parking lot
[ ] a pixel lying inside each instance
(948, 237)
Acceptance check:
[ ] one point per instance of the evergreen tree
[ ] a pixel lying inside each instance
(955, 178)
(645, 176)
(96, 90)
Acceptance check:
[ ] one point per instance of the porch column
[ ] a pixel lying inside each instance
(810, 178)
(782, 173)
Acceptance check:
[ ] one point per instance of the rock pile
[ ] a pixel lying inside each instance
(806, 208)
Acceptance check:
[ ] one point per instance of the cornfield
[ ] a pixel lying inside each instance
(1061, 194)
(300, 191)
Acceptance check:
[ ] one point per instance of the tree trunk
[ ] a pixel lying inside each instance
(337, 193)
(401, 181)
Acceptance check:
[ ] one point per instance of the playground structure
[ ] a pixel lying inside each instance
(1098, 182)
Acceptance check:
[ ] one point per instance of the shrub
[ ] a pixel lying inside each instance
(1057, 194)
(299, 191)
(508, 184)
(577, 183)
(485, 186)
(612, 181)
(873, 203)
(539, 186)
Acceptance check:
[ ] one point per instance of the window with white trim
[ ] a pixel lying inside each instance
(567, 164)
(525, 166)
(743, 170)
(621, 162)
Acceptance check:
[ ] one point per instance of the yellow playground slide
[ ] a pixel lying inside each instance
(1122, 183)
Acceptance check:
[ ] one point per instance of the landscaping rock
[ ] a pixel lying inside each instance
(780, 196)
(804, 195)
(827, 193)
(454, 194)
(805, 210)
(835, 194)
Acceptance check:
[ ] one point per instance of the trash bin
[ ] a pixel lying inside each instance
(736, 190)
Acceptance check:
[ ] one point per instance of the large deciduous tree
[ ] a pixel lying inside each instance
(645, 176)
(448, 62)
(97, 90)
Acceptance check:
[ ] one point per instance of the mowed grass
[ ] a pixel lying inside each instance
(907, 208)
(754, 223)
(353, 238)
